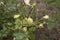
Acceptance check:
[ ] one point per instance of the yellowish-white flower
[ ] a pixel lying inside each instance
(33, 5)
(46, 17)
(27, 2)
(18, 5)
(30, 20)
(38, 10)
(24, 29)
(44, 22)
(16, 16)
(41, 25)
(26, 18)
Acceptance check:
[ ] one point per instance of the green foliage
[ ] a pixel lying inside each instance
(53, 2)
(52, 21)
(16, 22)
(50, 1)
(58, 17)
(13, 18)
(20, 35)
(31, 35)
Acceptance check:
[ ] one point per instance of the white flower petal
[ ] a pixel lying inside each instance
(2, 3)
(27, 2)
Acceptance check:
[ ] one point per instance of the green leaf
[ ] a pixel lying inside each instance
(31, 34)
(19, 35)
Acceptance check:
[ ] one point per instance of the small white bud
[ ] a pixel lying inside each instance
(46, 17)
(41, 25)
(16, 16)
(25, 29)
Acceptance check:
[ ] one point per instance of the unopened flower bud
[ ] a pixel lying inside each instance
(46, 17)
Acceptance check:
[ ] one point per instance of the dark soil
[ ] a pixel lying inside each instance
(45, 33)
